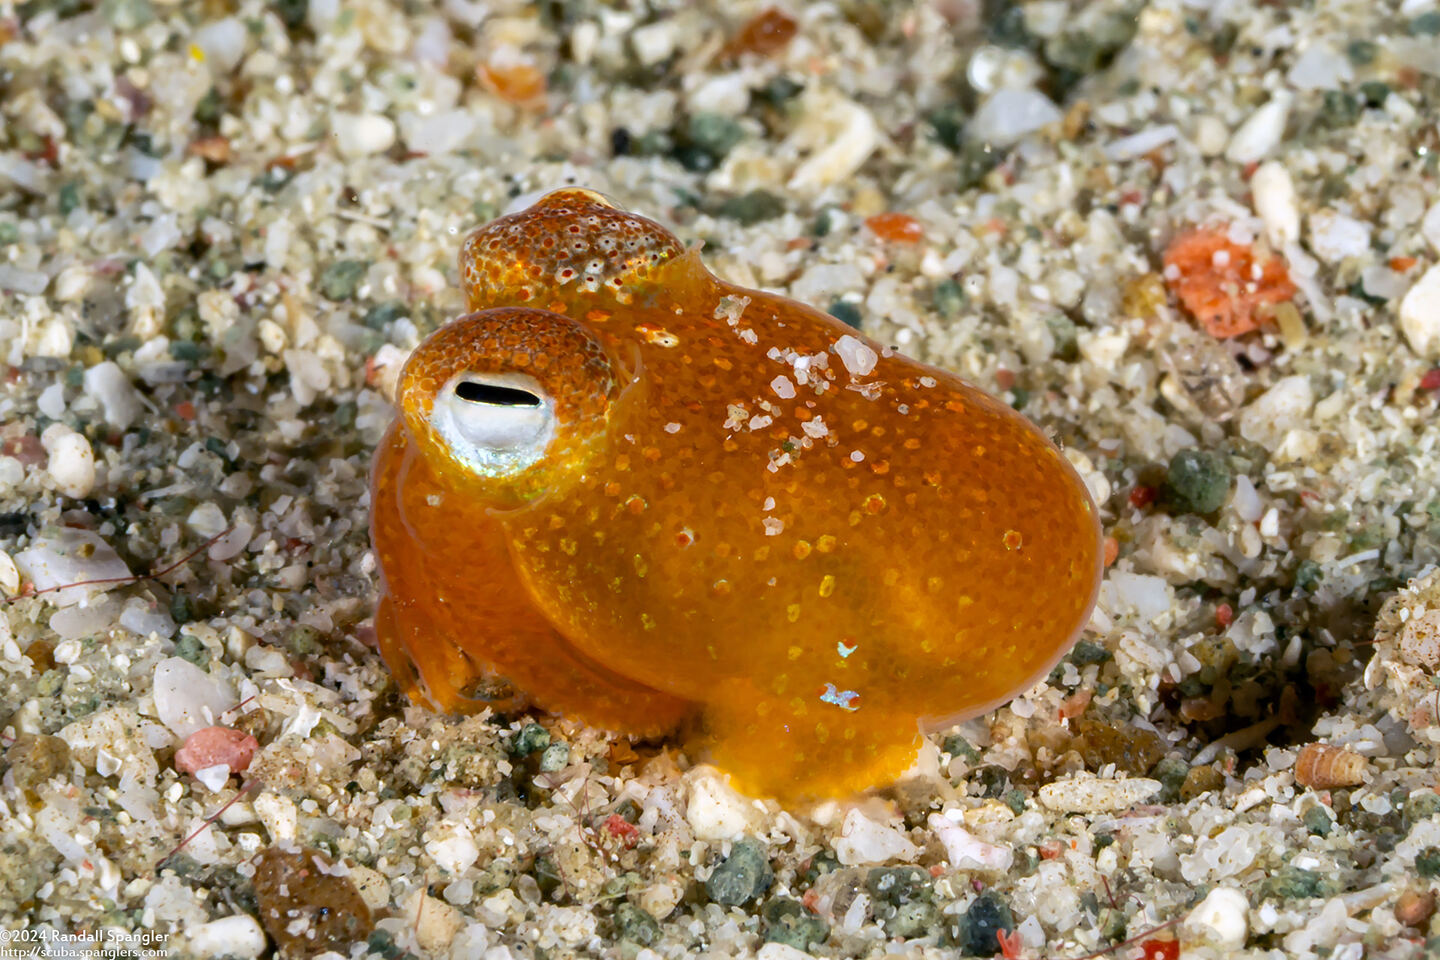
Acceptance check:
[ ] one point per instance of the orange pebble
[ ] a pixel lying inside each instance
(896, 227)
(716, 511)
(766, 33)
(1223, 284)
(516, 82)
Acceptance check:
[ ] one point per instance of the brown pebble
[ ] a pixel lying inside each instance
(35, 757)
(1415, 907)
(1201, 780)
(1323, 765)
(305, 907)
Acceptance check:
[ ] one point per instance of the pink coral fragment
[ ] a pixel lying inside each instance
(214, 746)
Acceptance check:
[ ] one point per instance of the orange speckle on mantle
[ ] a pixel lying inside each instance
(1222, 284)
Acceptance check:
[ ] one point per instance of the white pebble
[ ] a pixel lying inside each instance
(1430, 227)
(187, 698)
(1275, 202)
(1093, 795)
(654, 41)
(223, 43)
(850, 136)
(1221, 918)
(72, 283)
(71, 556)
(107, 384)
(1319, 68)
(72, 462)
(1334, 236)
(279, 816)
(783, 388)
(715, 811)
(1420, 314)
(1284, 407)
(965, 851)
(9, 575)
(362, 134)
(51, 401)
(857, 358)
(1261, 132)
(237, 936)
(215, 777)
(452, 846)
(1008, 116)
(863, 840)
(207, 519)
(434, 922)
(1211, 135)
(67, 651)
(436, 133)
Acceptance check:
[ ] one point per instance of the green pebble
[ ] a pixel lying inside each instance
(69, 198)
(788, 922)
(128, 14)
(1425, 25)
(822, 863)
(1308, 575)
(50, 683)
(304, 641)
(190, 648)
(1087, 652)
(187, 351)
(903, 900)
(1422, 807)
(975, 160)
(291, 12)
(1362, 53)
(340, 279)
(9, 232)
(383, 314)
(1067, 337)
(753, 207)
(948, 122)
(636, 926)
(1293, 883)
(714, 133)
(1427, 862)
(532, 737)
(846, 312)
(1318, 821)
(958, 746)
(1171, 772)
(497, 875)
(555, 757)
(1198, 481)
(988, 916)
(949, 298)
(182, 608)
(742, 876)
(897, 885)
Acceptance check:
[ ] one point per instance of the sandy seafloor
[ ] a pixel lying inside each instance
(222, 225)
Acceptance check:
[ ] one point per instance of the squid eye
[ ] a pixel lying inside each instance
(497, 424)
(472, 391)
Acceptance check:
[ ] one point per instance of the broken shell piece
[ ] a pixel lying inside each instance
(1420, 640)
(1322, 765)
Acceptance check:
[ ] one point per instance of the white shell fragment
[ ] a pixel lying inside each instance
(1093, 795)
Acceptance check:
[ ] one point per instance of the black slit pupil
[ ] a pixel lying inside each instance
(496, 395)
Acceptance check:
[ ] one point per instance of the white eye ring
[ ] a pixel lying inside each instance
(497, 424)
